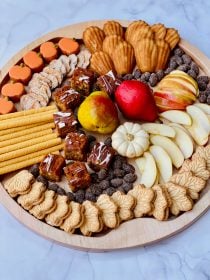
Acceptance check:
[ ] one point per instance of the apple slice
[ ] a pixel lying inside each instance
(198, 117)
(159, 129)
(170, 147)
(163, 162)
(140, 162)
(150, 171)
(204, 107)
(177, 83)
(177, 116)
(183, 141)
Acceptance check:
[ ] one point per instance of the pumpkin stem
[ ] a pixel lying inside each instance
(130, 137)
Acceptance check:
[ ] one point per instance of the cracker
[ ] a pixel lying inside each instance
(193, 183)
(125, 204)
(19, 184)
(34, 197)
(144, 198)
(160, 211)
(108, 211)
(179, 197)
(61, 212)
(92, 220)
(47, 206)
(203, 152)
(75, 219)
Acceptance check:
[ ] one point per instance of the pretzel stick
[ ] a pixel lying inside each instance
(28, 112)
(31, 156)
(25, 131)
(11, 141)
(31, 149)
(20, 165)
(27, 143)
(22, 121)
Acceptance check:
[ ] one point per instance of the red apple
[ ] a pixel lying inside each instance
(135, 100)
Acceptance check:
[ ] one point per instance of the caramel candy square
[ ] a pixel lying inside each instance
(51, 167)
(82, 80)
(67, 98)
(100, 156)
(77, 175)
(75, 146)
(65, 122)
(108, 83)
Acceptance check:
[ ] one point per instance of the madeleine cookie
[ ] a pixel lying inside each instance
(61, 212)
(159, 30)
(93, 38)
(92, 220)
(192, 183)
(113, 28)
(163, 54)
(108, 211)
(19, 184)
(110, 43)
(146, 53)
(144, 198)
(125, 204)
(180, 201)
(132, 27)
(142, 32)
(172, 37)
(34, 197)
(123, 58)
(75, 219)
(101, 63)
(161, 205)
(47, 206)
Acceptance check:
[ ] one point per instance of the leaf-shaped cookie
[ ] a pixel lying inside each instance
(160, 211)
(92, 220)
(75, 219)
(180, 200)
(203, 152)
(144, 198)
(186, 179)
(125, 204)
(108, 211)
(61, 212)
(20, 183)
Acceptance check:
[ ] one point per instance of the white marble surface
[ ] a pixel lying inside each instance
(23, 254)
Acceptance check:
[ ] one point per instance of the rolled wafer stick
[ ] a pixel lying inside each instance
(23, 164)
(32, 119)
(16, 129)
(27, 143)
(11, 141)
(31, 156)
(31, 149)
(24, 131)
(28, 112)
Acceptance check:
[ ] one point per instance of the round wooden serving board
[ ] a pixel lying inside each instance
(133, 233)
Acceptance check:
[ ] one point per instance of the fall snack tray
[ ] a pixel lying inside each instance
(104, 134)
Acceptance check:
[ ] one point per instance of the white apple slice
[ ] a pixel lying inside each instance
(150, 171)
(159, 129)
(140, 162)
(170, 147)
(177, 116)
(198, 116)
(163, 162)
(183, 141)
(157, 178)
(204, 107)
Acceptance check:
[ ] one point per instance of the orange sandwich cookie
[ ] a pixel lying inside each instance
(6, 106)
(48, 51)
(34, 61)
(20, 73)
(68, 46)
(13, 91)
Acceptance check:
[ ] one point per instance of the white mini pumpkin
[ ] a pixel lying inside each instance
(130, 140)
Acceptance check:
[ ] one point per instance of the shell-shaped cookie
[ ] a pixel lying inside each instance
(146, 53)
(101, 63)
(163, 54)
(172, 37)
(132, 27)
(113, 28)
(159, 30)
(123, 58)
(110, 43)
(140, 33)
(93, 38)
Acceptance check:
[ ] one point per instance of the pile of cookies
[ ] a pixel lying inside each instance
(109, 211)
(113, 49)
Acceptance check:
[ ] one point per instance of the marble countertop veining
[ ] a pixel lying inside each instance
(23, 254)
